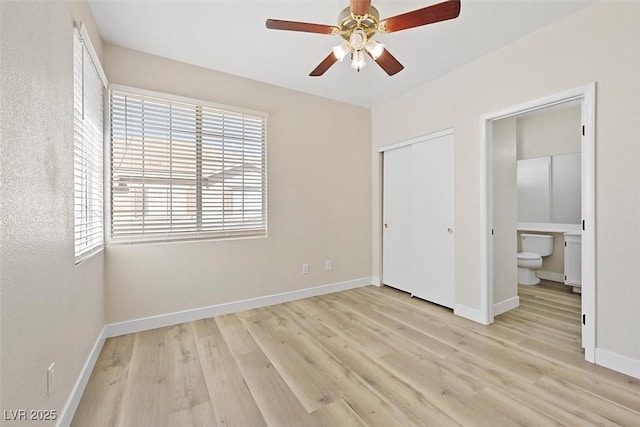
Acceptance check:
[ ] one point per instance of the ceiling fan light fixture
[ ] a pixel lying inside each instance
(357, 60)
(358, 39)
(357, 25)
(374, 48)
(341, 51)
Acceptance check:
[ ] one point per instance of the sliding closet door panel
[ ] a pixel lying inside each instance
(396, 235)
(432, 215)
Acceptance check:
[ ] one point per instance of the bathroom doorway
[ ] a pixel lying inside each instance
(515, 137)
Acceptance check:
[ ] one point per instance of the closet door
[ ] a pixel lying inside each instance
(396, 235)
(418, 213)
(432, 209)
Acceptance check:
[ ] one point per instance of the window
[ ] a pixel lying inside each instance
(185, 170)
(88, 148)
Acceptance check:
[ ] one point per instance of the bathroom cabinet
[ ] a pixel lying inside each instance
(573, 260)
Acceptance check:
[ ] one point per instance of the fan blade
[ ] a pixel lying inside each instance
(360, 7)
(388, 62)
(324, 65)
(305, 27)
(428, 15)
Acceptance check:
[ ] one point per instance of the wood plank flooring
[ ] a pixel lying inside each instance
(364, 357)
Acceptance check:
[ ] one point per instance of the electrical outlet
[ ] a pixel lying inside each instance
(51, 371)
(305, 268)
(328, 265)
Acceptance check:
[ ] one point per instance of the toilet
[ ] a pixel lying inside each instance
(534, 247)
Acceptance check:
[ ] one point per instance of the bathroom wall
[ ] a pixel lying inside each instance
(505, 211)
(546, 133)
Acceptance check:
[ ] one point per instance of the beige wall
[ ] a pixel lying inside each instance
(51, 310)
(505, 210)
(549, 132)
(598, 44)
(319, 195)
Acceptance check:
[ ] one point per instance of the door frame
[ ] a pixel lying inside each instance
(423, 138)
(587, 97)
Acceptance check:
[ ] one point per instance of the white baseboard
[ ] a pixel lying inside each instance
(170, 319)
(469, 313)
(548, 275)
(69, 410)
(618, 362)
(376, 281)
(506, 305)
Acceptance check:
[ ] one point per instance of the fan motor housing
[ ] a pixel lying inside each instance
(347, 22)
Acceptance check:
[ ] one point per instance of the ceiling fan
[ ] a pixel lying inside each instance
(358, 23)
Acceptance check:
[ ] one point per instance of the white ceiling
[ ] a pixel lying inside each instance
(230, 36)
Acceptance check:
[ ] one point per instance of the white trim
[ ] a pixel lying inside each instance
(486, 222)
(69, 410)
(549, 275)
(618, 362)
(170, 319)
(587, 97)
(506, 305)
(376, 281)
(589, 216)
(86, 40)
(541, 103)
(187, 100)
(412, 141)
(469, 313)
(106, 169)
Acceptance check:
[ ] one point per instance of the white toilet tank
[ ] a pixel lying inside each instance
(541, 244)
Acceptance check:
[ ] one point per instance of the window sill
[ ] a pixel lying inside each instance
(85, 257)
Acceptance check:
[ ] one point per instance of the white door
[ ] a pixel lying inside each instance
(396, 266)
(433, 214)
(418, 253)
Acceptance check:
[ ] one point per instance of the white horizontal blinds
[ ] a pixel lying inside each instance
(87, 153)
(183, 171)
(233, 171)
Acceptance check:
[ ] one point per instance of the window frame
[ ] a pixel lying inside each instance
(184, 237)
(81, 35)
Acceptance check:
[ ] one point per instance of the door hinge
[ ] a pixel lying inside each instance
(492, 231)
(582, 130)
(583, 225)
(565, 244)
(565, 277)
(584, 319)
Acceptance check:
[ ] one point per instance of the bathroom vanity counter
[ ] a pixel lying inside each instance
(545, 227)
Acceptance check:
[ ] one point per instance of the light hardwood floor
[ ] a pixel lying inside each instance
(365, 357)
